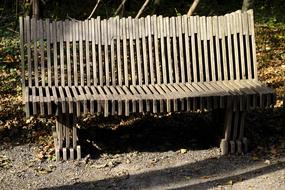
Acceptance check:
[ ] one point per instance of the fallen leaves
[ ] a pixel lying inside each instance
(5, 162)
(183, 150)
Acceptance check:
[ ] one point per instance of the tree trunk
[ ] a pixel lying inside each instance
(247, 4)
(36, 9)
(193, 7)
(142, 8)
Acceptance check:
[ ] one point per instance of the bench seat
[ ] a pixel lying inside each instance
(157, 98)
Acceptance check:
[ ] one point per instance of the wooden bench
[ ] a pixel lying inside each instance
(156, 64)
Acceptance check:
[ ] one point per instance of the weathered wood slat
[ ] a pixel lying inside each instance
(35, 51)
(204, 38)
(126, 75)
(144, 51)
(253, 46)
(100, 99)
(70, 99)
(222, 31)
(234, 26)
(94, 52)
(241, 44)
(61, 52)
(218, 61)
(126, 100)
(28, 39)
(168, 45)
(40, 34)
(228, 22)
(188, 62)
(105, 100)
(150, 48)
(48, 100)
(162, 46)
(81, 64)
(119, 61)
(99, 38)
(112, 99)
(62, 100)
(210, 37)
(104, 33)
(200, 66)
(156, 31)
(192, 29)
(181, 49)
(22, 38)
(74, 52)
(87, 52)
(131, 46)
(112, 30)
(137, 31)
(174, 49)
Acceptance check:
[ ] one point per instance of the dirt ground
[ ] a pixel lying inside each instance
(200, 169)
(178, 151)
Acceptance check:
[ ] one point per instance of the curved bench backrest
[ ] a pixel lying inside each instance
(127, 51)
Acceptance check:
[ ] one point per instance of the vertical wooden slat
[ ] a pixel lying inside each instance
(94, 53)
(98, 34)
(174, 49)
(204, 32)
(42, 55)
(218, 63)
(229, 48)
(222, 30)
(251, 33)
(119, 61)
(144, 49)
(132, 58)
(74, 51)
(67, 34)
(126, 75)
(104, 28)
(162, 48)
(181, 49)
(48, 42)
(138, 51)
(150, 52)
(112, 31)
(168, 44)
(157, 61)
(28, 38)
(188, 63)
(87, 53)
(21, 26)
(234, 26)
(55, 60)
(192, 28)
(35, 51)
(211, 49)
(61, 51)
(81, 64)
(241, 44)
(247, 46)
(199, 50)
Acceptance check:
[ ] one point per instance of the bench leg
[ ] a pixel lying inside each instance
(234, 140)
(65, 138)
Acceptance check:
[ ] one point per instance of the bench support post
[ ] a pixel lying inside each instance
(234, 140)
(65, 138)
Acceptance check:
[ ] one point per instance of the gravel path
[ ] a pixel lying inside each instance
(193, 169)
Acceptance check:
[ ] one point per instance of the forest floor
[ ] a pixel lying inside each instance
(177, 151)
